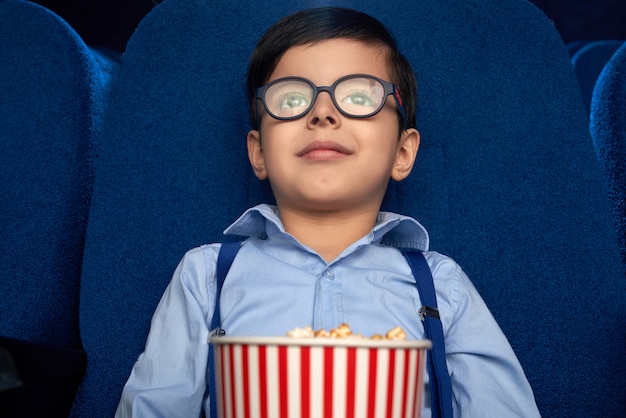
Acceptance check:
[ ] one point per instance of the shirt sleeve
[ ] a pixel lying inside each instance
(487, 378)
(169, 377)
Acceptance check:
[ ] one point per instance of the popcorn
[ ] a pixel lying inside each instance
(301, 332)
(321, 333)
(396, 333)
(344, 331)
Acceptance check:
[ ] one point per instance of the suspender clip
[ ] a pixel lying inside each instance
(217, 332)
(425, 311)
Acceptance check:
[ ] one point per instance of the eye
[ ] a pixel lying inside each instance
(359, 98)
(288, 98)
(291, 100)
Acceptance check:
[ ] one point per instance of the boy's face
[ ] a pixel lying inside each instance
(326, 161)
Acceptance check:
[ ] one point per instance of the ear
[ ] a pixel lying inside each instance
(405, 156)
(255, 154)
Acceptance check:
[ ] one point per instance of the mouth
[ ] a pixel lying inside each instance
(324, 150)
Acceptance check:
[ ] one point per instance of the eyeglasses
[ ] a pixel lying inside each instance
(355, 96)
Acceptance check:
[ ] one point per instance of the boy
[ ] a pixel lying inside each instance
(332, 102)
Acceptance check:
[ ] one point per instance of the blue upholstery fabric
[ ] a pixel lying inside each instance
(589, 61)
(51, 101)
(575, 46)
(505, 182)
(608, 130)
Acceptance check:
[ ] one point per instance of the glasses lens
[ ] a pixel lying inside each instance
(288, 98)
(360, 96)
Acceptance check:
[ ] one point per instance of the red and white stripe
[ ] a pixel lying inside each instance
(299, 381)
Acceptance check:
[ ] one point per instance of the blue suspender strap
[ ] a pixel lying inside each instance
(440, 386)
(225, 259)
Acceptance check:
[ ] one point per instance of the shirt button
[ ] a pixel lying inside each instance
(329, 274)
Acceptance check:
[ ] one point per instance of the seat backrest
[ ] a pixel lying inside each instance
(574, 46)
(52, 98)
(589, 61)
(505, 182)
(608, 130)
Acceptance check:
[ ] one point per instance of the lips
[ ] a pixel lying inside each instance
(324, 150)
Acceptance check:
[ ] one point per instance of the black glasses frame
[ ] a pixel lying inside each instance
(388, 89)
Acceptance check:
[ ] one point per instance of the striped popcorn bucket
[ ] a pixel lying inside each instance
(284, 377)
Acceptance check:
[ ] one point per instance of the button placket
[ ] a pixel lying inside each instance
(329, 304)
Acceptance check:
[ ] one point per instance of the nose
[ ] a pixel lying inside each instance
(324, 111)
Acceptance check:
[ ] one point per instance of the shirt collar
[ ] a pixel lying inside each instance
(391, 229)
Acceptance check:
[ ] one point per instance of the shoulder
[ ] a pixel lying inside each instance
(198, 265)
(203, 259)
(447, 274)
(205, 254)
(456, 293)
(442, 266)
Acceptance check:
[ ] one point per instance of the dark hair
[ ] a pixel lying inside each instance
(316, 25)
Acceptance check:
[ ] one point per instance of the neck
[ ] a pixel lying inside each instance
(328, 234)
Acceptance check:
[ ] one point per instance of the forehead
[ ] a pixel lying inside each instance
(326, 61)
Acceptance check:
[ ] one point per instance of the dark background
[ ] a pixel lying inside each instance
(109, 23)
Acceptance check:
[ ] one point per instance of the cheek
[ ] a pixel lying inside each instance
(276, 150)
(378, 136)
(280, 136)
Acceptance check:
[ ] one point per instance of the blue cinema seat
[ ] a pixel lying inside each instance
(52, 98)
(588, 63)
(608, 130)
(574, 46)
(505, 182)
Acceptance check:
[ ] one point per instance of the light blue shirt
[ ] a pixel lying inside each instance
(277, 284)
